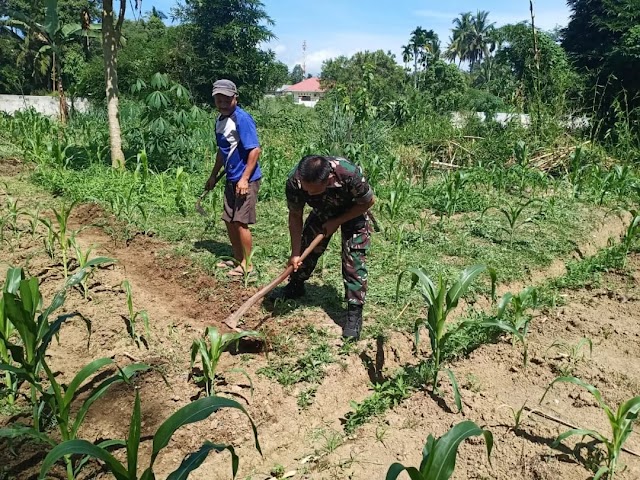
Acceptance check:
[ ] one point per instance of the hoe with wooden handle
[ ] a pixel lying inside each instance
(232, 320)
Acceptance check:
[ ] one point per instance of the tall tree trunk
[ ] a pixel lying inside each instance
(64, 109)
(110, 39)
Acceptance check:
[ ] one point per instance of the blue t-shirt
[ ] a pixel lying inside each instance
(236, 135)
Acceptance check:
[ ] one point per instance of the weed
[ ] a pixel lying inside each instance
(621, 422)
(572, 353)
(306, 397)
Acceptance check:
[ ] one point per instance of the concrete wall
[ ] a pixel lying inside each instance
(42, 104)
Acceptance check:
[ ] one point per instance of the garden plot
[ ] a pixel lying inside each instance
(300, 394)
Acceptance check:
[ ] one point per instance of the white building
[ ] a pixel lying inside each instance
(306, 93)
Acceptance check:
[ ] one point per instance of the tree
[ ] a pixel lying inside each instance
(111, 34)
(297, 75)
(551, 85)
(51, 36)
(602, 40)
(221, 39)
(472, 38)
(423, 47)
(383, 77)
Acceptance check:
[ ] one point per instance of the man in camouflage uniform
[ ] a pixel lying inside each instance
(340, 197)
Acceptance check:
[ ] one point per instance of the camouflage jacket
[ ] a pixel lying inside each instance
(347, 187)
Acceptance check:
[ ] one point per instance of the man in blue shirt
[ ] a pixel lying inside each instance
(238, 153)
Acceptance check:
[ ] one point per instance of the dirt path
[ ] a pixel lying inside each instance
(181, 301)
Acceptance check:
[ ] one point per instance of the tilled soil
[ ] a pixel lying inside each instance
(181, 302)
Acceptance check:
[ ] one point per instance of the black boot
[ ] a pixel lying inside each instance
(292, 290)
(353, 325)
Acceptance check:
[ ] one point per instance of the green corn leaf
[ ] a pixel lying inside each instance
(133, 440)
(576, 381)
(18, 431)
(467, 277)
(13, 279)
(456, 390)
(630, 408)
(442, 458)
(82, 447)
(81, 377)
(194, 412)
(601, 471)
(579, 431)
(396, 469)
(194, 460)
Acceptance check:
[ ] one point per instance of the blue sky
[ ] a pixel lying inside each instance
(343, 27)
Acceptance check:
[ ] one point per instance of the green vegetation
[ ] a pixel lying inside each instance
(439, 455)
(621, 422)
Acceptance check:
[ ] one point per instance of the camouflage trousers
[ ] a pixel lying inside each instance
(356, 240)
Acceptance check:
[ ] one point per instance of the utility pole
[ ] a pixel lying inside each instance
(304, 58)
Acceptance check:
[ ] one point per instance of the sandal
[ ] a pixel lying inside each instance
(225, 264)
(239, 272)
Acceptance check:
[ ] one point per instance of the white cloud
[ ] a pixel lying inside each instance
(279, 49)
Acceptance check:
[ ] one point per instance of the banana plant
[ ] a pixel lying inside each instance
(621, 422)
(211, 351)
(441, 299)
(517, 323)
(191, 413)
(439, 455)
(59, 398)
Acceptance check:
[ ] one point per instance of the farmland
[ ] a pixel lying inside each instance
(502, 316)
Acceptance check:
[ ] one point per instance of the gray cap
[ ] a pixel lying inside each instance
(224, 87)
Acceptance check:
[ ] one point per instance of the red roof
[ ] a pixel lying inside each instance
(309, 85)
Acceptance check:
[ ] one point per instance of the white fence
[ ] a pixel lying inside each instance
(42, 104)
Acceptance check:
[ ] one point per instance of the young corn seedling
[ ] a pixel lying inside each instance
(211, 351)
(441, 299)
(50, 240)
(439, 455)
(514, 218)
(34, 221)
(82, 257)
(453, 192)
(517, 322)
(181, 191)
(134, 315)
(621, 422)
(631, 235)
(62, 235)
(59, 398)
(13, 213)
(572, 354)
(191, 413)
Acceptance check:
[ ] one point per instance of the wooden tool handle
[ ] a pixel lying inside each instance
(232, 320)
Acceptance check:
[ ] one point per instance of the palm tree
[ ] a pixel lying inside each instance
(459, 41)
(480, 38)
(407, 54)
(422, 47)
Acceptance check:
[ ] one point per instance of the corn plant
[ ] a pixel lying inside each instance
(453, 191)
(513, 216)
(59, 398)
(126, 206)
(441, 299)
(13, 213)
(439, 455)
(181, 190)
(517, 323)
(62, 235)
(22, 302)
(621, 422)
(211, 351)
(50, 240)
(82, 257)
(11, 285)
(631, 235)
(34, 221)
(134, 315)
(193, 412)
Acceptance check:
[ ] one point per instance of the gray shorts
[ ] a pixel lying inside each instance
(240, 209)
